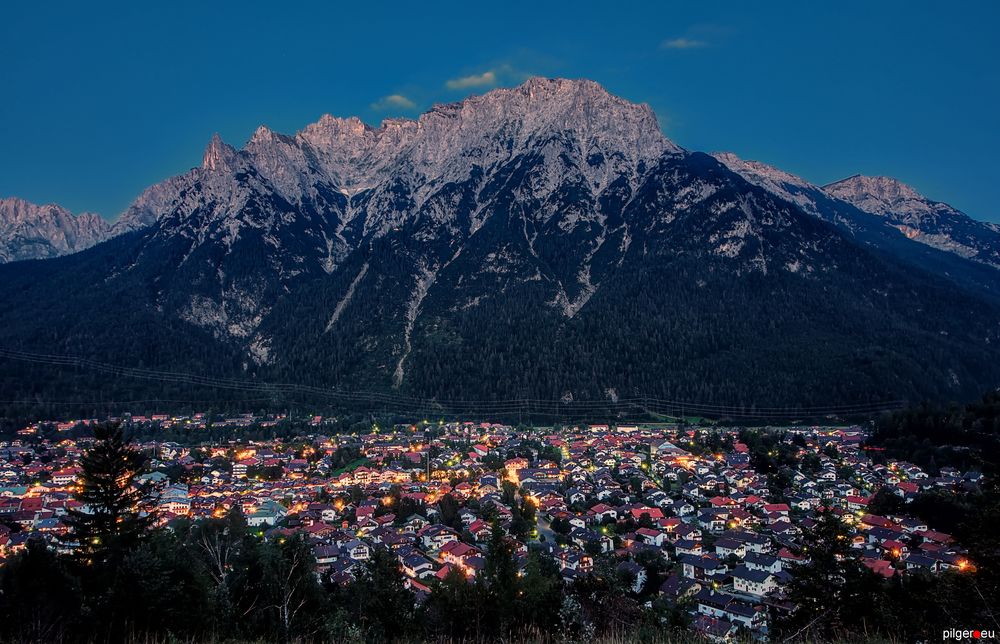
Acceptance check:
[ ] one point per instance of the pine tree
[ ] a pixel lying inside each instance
(113, 517)
(540, 593)
(382, 604)
(498, 581)
(449, 613)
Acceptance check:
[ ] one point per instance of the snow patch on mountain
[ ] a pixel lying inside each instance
(778, 182)
(880, 195)
(237, 314)
(260, 350)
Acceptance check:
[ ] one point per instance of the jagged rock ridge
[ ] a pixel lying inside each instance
(930, 222)
(30, 231)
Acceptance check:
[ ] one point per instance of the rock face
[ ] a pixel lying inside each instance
(929, 222)
(29, 231)
(891, 218)
(545, 241)
(561, 152)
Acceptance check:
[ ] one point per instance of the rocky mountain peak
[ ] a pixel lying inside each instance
(31, 231)
(219, 155)
(486, 130)
(542, 106)
(930, 222)
(333, 132)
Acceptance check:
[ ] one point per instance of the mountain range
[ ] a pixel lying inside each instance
(540, 242)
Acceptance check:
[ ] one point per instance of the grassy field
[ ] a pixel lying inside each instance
(350, 467)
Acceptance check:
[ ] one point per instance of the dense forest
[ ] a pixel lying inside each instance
(934, 436)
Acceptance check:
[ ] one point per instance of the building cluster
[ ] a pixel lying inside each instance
(194, 422)
(678, 520)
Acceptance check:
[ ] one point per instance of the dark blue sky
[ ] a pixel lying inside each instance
(98, 103)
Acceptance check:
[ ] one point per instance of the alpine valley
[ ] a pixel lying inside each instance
(540, 242)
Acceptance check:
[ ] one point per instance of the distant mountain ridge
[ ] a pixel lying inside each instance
(933, 244)
(930, 222)
(894, 203)
(30, 231)
(545, 241)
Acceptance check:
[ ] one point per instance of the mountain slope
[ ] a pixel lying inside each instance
(29, 231)
(874, 229)
(544, 242)
(305, 202)
(929, 222)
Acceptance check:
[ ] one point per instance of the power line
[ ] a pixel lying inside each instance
(245, 385)
(144, 401)
(399, 402)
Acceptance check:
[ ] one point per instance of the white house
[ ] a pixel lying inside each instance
(753, 582)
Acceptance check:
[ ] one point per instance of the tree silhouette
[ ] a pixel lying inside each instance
(113, 517)
(380, 601)
(832, 592)
(39, 599)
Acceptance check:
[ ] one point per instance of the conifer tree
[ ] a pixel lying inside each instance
(113, 517)
(379, 599)
(498, 581)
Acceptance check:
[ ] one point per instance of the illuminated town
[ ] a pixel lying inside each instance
(684, 514)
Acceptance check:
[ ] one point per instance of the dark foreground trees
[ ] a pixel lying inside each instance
(169, 586)
(832, 593)
(836, 598)
(39, 596)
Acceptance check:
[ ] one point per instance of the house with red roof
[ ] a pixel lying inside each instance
(602, 511)
(777, 508)
(879, 567)
(654, 513)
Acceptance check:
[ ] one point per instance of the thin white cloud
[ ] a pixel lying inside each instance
(393, 102)
(486, 79)
(509, 73)
(683, 43)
